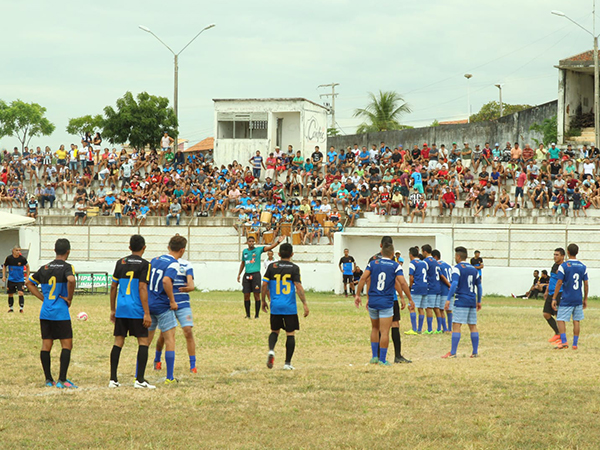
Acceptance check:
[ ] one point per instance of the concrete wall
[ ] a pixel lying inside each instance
(513, 128)
(579, 90)
(291, 130)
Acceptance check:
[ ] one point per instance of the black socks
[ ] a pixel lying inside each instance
(21, 301)
(11, 301)
(65, 359)
(552, 322)
(257, 307)
(142, 361)
(290, 346)
(273, 340)
(247, 306)
(45, 358)
(397, 342)
(115, 354)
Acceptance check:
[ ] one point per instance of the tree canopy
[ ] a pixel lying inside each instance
(24, 121)
(83, 124)
(491, 111)
(382, 113)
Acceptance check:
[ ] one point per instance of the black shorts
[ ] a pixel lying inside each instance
(548, 304)
(56, 329)
(80, 214)
(251, 283)
(396, 316)
(287, 322)
(348, 279)
(135, 327)
(14, 286)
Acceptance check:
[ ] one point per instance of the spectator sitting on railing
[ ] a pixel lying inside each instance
(32, 207)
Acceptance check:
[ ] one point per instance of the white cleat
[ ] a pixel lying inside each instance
(288, 367)
(143, 385)
(113, 384)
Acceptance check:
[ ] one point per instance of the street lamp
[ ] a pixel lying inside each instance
(596, 71)
(499, 86)
(468, 76)
(176, 61)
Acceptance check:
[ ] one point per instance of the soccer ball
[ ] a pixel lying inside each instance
(82, 316)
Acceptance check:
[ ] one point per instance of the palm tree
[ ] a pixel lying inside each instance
(382, 113)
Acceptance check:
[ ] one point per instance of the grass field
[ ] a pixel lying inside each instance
(520, 394)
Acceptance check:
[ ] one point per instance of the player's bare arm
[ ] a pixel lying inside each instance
(31, 287)
(168, 286)
(302, 296)
(71, 282)
(556, 291)
(264, 295)
(361, 284)
(586, 289)
(114, 287)
(190, 286)
(240, 271)
(406, 290)
(274, 244)
(398, 286)
(147, 321)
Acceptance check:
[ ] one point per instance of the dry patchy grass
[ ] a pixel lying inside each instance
(519, 394)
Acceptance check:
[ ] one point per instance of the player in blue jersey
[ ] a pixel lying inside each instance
(559, 258)
(573, 279)
(417, 271)
(13, 274)
(384, 277)
(445, 277)
(161, 299)
(54, 284)
(281, 283)
(434, 281)
(129, 310)
(346, 266)
(465, 280)
(183, 285)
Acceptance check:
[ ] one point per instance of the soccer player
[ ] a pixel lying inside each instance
(346, 266)
(573, 278)
(384, 276)
(549, 311)
(465, 278)
(417, 271)
(56, 281)
(433, 292)
(16, 265)
(281, 283)
(161, 299)
(129, 310)
(477, 262)
(445, 276)
(251, 265)
(183, 285)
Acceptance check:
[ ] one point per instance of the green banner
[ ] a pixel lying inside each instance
(84, 280)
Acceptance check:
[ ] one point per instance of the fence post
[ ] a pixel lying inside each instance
(189, 242)
(566, 237)
(509, 245)
(88, 243)
(239, 230)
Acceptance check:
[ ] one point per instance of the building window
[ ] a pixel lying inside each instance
(242, 126)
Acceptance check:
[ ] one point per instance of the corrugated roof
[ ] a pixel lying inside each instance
(283, 99)
(205, 144)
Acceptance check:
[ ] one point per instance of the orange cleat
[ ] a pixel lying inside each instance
(157, 365)
(194, 370)
(574, 347)
(449, 355)
(554, 338)
(561, 346)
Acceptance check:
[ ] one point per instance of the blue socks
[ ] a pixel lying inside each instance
(430, 324)
(449, 314)
(443, 319)
(157, 356)
(375, 349)
(575, 341)
(170, 358)
(192, 362)
(413, 320)
(563, 338)
(474, 341)
(455, 341)
(383, 354)
(421, 319)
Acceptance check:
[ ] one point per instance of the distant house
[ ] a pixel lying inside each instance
(201, 147)
(454, 122)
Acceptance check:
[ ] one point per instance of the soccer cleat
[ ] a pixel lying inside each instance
(513, 295)
(561, 346)
(270, 359)
(67, 384)
(144, 385)
(21, 310)
(247, 317)
(10, 310)
(475, 355)
(428, 332)
(287, 366)
(401, 360)
(173, 381)
(194, 370)
(411, 333)
(554, 338)
(574, 347)
(449, 355)
(112, 384)
(50, 383)
(157, 365)
(374, 360)
(438, 332)
(384, 363)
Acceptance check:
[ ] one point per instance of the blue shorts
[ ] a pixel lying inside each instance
(431, 301)
(464, 315)
(381, 313)
(117, 215)
(184, 317)
(565, 313)
(419, 187)
(441, 301)
(164, 321)
(419, 301)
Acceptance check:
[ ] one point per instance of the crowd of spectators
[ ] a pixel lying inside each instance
(304, 196)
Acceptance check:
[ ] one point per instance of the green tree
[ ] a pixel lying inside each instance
(435, 123)
(333, 131)
(491, 111)
(139, 121)
(24, 121)
(80, 125)
(382, 113)
(548, 129)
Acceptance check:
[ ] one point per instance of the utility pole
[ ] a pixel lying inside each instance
(468, 76)
(499, 86)
(333, 95)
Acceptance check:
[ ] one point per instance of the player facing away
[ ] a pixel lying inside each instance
(250, 265)
(433, 292)
(161, 299)
(183, 285)
(417, 271)
(573, 278)
(549, 311)
(445, 277)
(16, 265)
(465, 279)
(281, 282)
(56, 281)
(129, 310)
(346, 266)
(385, 277)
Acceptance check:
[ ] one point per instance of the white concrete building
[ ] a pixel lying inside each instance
(243, 126)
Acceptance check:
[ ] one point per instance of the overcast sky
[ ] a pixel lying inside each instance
(76, 57)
